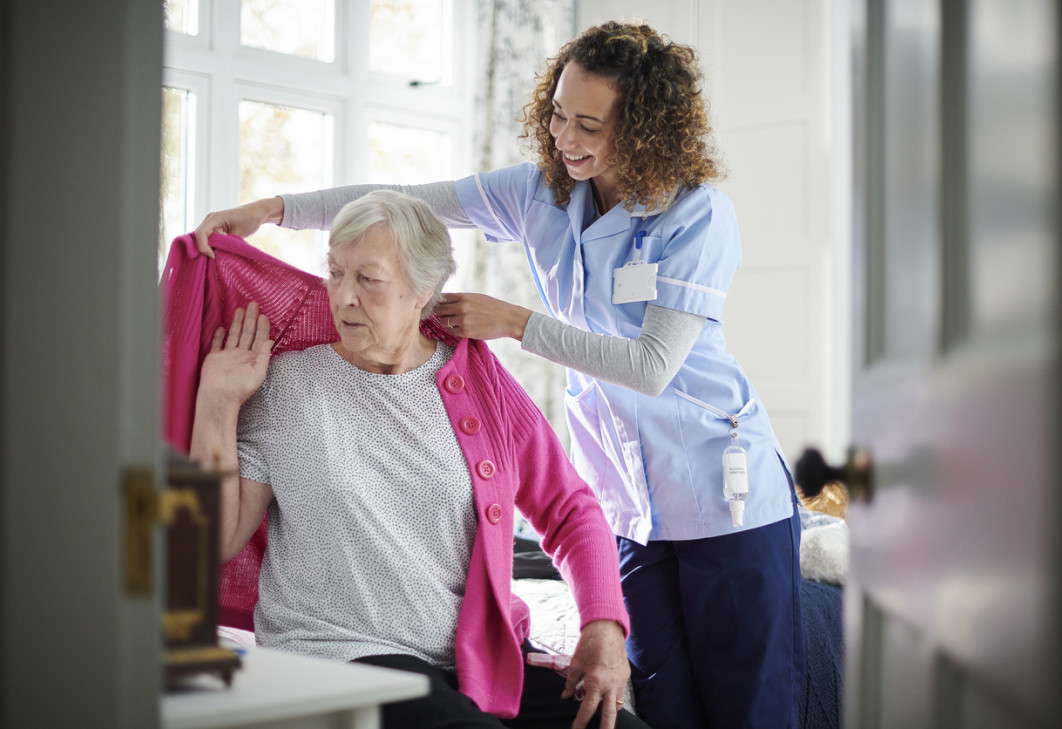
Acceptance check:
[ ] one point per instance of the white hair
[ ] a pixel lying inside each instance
(421, 240)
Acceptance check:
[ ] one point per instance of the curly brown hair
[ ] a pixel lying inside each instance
(662, 141)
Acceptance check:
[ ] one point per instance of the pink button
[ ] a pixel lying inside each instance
(454, 383)
(470, 424)
(494, 513)
(487, 469)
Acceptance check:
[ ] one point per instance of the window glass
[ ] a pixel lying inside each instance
(182, 16)
(296, 27)
(285, 149)
(407, 155)
(178, 149)
(409, 38)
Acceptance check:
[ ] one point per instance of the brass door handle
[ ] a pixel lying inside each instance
(856, 475)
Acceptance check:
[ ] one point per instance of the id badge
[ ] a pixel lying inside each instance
(636, 281)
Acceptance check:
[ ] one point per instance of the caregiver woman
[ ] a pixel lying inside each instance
(633, 250)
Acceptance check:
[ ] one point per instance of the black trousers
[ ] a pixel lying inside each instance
(541, 706)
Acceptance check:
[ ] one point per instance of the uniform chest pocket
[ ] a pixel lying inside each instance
(650, 251)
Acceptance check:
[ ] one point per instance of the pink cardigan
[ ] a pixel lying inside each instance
(513, 456)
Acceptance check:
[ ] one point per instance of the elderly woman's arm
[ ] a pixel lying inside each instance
(576, 536)
(561, 507)
(232, 371)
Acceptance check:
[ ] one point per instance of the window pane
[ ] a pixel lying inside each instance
(406, 155)
(178, 149)
(410, 38)
(285, 149)
(182, 16)
(297, 27)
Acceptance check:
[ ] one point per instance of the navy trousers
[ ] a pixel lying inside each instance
(716, 636)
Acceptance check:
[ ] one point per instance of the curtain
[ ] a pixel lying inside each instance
(515, 37)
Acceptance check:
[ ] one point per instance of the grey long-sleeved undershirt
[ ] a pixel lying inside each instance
(646, 364)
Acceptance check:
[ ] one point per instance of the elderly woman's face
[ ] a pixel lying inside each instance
(374, 309)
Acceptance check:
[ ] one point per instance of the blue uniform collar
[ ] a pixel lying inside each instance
(588, 227)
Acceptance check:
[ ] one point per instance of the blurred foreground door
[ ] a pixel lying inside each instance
(80, 638)
(952, 609)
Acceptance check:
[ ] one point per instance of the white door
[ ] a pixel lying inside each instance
(79, 333)
(951, 612)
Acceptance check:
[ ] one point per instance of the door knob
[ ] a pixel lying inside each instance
(813, 473)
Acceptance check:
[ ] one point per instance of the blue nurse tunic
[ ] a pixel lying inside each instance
(654, 462)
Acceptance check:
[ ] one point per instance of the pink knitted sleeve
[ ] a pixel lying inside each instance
(199, 295)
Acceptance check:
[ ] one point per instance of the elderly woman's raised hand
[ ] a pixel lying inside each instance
(242, 221)
(600, 662)
(237, 363)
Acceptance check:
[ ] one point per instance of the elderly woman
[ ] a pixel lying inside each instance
(389, 463)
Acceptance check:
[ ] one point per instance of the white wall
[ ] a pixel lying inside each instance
(770, 73)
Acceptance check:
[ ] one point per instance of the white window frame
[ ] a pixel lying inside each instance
(198, 84)
(224, 72)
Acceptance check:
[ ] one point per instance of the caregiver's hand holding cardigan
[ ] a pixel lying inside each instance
(389, 463)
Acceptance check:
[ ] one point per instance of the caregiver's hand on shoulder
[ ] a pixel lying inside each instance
(242, 221)
(600, 661)
(478, 316)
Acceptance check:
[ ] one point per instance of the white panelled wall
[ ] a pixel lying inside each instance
(770, 71)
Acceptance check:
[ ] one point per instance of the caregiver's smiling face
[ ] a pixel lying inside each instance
(583, 124)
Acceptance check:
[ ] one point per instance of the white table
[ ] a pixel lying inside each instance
(275, 690)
